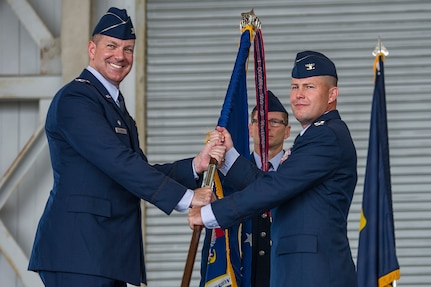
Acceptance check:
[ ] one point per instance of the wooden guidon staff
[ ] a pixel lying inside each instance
(194, 242)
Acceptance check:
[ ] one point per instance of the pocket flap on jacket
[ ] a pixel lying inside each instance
(305, 243)
(87, 204)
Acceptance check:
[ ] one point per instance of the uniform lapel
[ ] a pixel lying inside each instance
(126, 118)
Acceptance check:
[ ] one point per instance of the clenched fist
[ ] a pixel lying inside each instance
(194, 217)
(202, 196)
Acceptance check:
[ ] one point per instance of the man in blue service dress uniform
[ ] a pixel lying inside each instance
(310, 193)
(278, 131)
(90, 231)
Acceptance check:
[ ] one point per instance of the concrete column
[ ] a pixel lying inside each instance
(75, 33)
(140, 68)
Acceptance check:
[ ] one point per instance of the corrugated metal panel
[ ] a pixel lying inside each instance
(191, 49)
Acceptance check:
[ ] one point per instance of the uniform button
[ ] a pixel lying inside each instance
(264, 215)
(261, 252)
(263, 234)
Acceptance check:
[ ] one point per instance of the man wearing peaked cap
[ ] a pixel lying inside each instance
(310, 193)
(90, 231)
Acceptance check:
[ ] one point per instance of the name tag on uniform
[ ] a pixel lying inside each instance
(120, 131)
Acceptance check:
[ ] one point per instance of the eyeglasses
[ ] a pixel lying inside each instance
(275, 123)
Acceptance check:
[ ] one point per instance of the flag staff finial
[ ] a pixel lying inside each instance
(380, 48)
(250, 19)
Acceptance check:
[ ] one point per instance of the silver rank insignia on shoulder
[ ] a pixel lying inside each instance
(82, 80)
(310, 66)
(320, 123)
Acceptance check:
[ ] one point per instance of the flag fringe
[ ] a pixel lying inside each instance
(387, 279)
(219, 193)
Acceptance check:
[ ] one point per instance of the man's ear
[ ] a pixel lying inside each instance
(287, 132)
(91, 49)
(333, 95)
(250, 130)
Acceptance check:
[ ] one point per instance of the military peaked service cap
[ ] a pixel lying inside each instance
(116, 23)
(310, 64)
(274, 104)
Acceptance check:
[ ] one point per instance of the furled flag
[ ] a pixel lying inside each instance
(224, 265)
(377, 263)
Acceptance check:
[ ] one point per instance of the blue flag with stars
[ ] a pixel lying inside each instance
(221, 262)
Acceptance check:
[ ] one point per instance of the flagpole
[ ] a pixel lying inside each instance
(377, 263)
(381, 49)
(234, 117)
(194, 242)
(188, 269)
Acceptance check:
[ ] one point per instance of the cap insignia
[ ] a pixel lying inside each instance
(310, 66)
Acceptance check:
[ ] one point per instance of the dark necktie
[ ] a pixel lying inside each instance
(121, 102)
(270, 167)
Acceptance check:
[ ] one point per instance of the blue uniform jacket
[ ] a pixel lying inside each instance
(309, 197)
(92, 220)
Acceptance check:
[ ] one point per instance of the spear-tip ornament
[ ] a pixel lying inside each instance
(380, 48)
